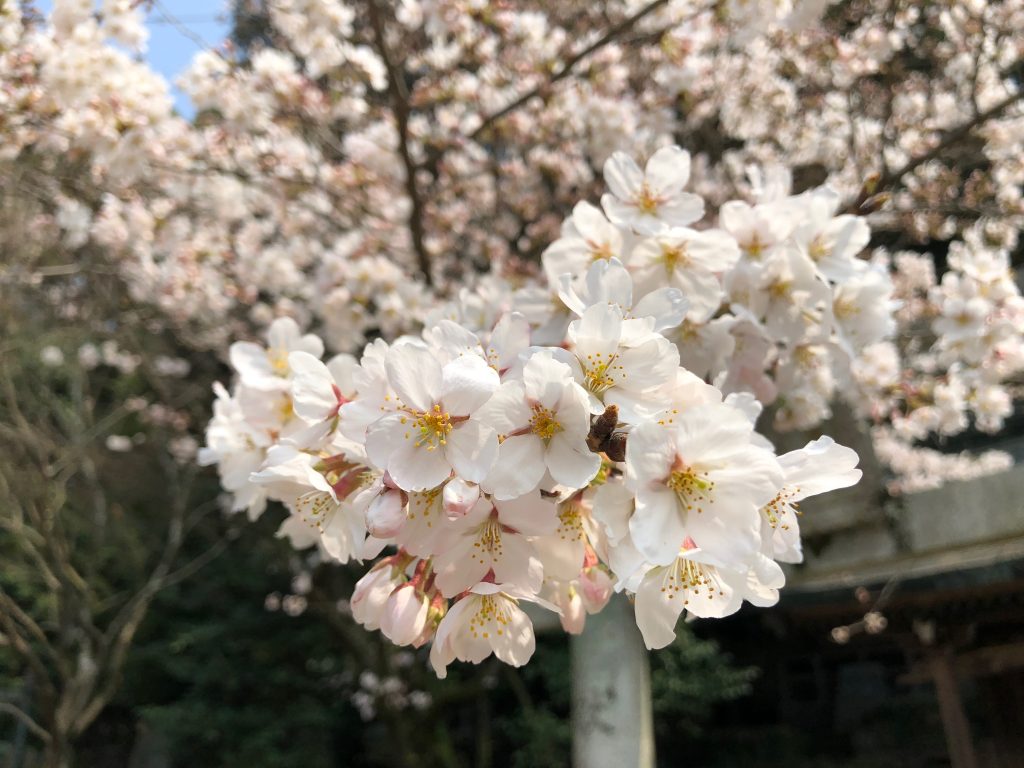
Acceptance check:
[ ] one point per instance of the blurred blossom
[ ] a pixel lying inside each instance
(51, 356)
(119, 443)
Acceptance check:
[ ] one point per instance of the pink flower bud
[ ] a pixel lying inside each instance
(459, 497)
(385, 514)
(573, 617)
(372, 592)
(595, 589)
(404, 617)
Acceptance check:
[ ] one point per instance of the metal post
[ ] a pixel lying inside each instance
(612, 723)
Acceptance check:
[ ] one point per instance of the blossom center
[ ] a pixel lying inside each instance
(690, 577)
(693, 488)
(490, 611)
(844, 308)
(674, 257)
(755, 246)
(314, 506)
(598, 373)
(570, 523)
(543, 423)
(488, 540)
(647, 201)
(278, 359)
(777, 509)
(434, 427)
(818, 250)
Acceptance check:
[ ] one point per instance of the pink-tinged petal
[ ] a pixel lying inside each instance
(344, 370)
(466, 384)
(656, 526)
(703, 290)
(562, 555)
(820, 466)
(386, 436)
(667, 306)
(452, 340)
(530, 515)
(459, 497)
(415, 374)
(619, 212)
(516, 644)
(727, 532)
(519, 468)
(516, 562)
(385, 515)
(668, 170)
(510, 337)
(313, 397)
(736, 217)
(343, 535)
(612, 508)
(472, 450)
(658, 606)
(544, 379)
(404, 615)
(682, 209)
(713, 249)
(571, 463)
(650, 454)
(623, 176)
(416, 468)
(283, 333)
(461, 566)
(253, 367)
(507, 410)
(593, 227)
(712, 434)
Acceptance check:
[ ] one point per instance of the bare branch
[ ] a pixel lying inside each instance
(19, 714)
(399, 95)
(566, 69)
(890, 179)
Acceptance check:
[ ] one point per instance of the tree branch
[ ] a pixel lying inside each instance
(566, 69)
(19, 714)
(399, 95)
(890, 179)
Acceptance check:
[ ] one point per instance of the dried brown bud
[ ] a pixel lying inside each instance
(615, 447)
(604, 439)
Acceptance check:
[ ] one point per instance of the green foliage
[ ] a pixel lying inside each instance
(687, 679)
(227, 682)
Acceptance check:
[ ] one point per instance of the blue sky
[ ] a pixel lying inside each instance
(170, 48)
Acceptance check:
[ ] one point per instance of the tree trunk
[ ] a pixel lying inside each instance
(612, 724)
(58, 751)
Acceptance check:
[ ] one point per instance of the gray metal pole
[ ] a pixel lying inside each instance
(612, 724)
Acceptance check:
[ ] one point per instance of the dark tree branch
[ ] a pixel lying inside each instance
(19, 714)
(399, 95)
(891, 179)
(566, 69)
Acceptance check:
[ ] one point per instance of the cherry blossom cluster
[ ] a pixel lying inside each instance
(371, 179)
(955, 364)
(554, 457)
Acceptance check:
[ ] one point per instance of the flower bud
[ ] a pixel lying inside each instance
(404, 616)
(372, 592)
(595, 589)
(459, 497)
(385, 514)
